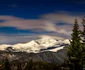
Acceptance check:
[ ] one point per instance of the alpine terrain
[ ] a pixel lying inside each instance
(44, 49)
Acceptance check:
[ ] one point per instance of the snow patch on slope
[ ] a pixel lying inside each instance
(56, 49)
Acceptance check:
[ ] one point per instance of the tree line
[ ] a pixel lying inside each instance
(29, 65)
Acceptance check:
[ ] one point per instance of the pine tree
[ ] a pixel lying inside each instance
(83, 39)
(75, 61)
(7, 64)
(19, 66)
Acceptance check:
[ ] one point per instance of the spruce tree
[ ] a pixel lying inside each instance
(19, 66)
(7, 65)
(83, 39)
(75, 61)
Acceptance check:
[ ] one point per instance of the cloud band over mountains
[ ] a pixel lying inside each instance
(54, 24)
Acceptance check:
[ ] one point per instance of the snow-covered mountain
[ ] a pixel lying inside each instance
(35, 46)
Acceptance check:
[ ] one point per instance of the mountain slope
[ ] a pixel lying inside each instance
(46, 56)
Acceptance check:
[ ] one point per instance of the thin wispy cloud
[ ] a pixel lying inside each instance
(64, 17)
(47, 22)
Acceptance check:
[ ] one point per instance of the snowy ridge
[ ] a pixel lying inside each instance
(36, 45)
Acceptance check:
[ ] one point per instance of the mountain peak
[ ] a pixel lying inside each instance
(37, 45)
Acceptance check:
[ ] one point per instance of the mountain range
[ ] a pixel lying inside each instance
(36, 46)
(45, 49)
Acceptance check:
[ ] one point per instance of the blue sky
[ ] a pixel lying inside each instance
(24, 20)
(32, 9)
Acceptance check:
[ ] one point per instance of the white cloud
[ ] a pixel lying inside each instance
(47, 22)
(62, 31)
(64, 17)
(49, 26)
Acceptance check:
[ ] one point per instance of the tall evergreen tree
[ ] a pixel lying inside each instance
(7, 64)
(83, 39)
(75, 49)
(19, 66)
